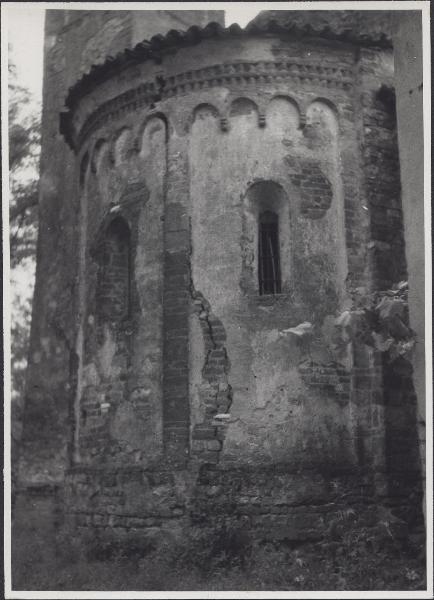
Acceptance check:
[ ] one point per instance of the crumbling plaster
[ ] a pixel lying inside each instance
(267, 135)
(197, 410)
(121, 369)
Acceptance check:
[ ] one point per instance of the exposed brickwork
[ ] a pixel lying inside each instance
(279, 504)
(113, 296)
(332, 379)
(129, 502)
(176, 310)
(215, 393)
(158, 447)
(112, 315)
(316, 190)
(384, 192)
(381, 172)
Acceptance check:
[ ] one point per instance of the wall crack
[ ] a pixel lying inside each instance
(215, 391)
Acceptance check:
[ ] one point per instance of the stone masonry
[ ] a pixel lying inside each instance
(172, 398)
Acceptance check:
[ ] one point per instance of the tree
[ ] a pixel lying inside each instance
(24, 149)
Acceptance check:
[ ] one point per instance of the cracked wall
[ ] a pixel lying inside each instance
(211, 392)
(191, 407)
(274, 417)
(73, 41)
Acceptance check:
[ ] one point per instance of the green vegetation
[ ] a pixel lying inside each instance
(353, 557)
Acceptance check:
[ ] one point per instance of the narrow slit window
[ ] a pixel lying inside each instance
(268, 254)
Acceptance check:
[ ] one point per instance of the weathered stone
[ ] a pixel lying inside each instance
(184, 403)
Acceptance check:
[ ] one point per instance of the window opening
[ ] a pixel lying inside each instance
(268, 254)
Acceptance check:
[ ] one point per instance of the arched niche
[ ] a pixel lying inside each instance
(121, 145)
(244, 110)
(114, 271)
(283, 114)
(99, 151)
(153, 135)
(322, 114)
(205, 115)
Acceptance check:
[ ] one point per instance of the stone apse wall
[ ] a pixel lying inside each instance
(74, 41)
(187, 405)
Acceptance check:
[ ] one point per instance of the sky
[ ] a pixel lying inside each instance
(26, 35)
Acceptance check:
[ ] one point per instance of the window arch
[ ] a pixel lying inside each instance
(115, 272)
(268, 253)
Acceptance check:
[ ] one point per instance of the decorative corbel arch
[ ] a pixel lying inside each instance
(290, 102)
(244, 105)
(155, 114)
(120, 143)
(201, 111)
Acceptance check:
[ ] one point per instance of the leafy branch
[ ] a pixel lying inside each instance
(377, 319)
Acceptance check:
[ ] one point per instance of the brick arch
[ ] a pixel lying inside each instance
(146, 129)
(207, 112)
(243, 106)
(205, 109)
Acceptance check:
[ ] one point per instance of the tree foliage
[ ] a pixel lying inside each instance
(377, 319)
(24, 149)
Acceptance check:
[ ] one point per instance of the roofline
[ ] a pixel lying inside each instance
(155, 48)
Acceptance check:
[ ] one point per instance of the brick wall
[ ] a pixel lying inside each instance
(381, 171)
(176, 310)
(265, 411)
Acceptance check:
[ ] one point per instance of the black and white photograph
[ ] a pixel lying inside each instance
(217, 299)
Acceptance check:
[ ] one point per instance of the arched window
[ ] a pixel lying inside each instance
(268, 253)
(114, 273)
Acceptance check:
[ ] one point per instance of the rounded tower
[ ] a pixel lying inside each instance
(231, 194)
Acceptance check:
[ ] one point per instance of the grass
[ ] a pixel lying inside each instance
(357, 559)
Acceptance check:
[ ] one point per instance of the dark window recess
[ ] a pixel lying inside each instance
(114, 275)
(268, 254)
